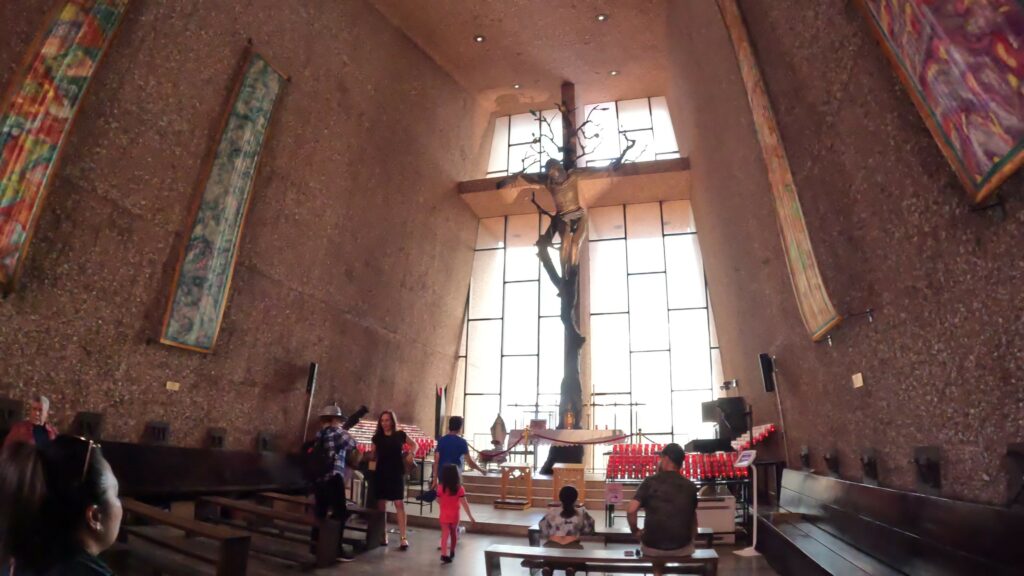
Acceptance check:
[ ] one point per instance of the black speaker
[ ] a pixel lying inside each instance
(767, 371)
(311, 381)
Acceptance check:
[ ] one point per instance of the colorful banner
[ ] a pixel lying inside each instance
(963, 64)
(38, 114)
(203, 279)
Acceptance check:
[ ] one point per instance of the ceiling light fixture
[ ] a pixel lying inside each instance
(479, 38)
(601, 17)
(613, 73)
(516, 86)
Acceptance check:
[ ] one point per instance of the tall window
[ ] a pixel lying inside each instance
(511, 355)
(524, 142)
(651, 332)
(653, 349)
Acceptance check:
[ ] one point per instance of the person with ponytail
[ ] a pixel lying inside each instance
(564, 526)
(59, 509)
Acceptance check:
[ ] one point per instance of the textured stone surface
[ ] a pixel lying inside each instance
(539, 44)
(356, 252)
(892, 231)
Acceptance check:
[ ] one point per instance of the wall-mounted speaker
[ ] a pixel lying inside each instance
(311, 380)
(767, 371)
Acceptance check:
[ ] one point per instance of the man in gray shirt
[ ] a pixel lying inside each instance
(669, 501)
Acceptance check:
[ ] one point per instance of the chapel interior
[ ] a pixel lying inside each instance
(779, 234)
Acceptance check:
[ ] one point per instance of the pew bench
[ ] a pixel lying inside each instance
(233, 546)
(703, 561)
(268, 522)
(372, 526)
(828, 526)
(619, 535)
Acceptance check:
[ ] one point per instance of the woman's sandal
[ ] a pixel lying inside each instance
(405, 544)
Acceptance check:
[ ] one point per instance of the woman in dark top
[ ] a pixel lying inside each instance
(389, 444)
(58, 509)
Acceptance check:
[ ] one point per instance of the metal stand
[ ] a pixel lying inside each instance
(751, 551)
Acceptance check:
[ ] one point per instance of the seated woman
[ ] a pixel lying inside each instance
(564, 527)
(58, 509)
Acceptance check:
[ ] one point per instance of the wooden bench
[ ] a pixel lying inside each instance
(376, 522)
(619, 535)
(831, 526)
(702, 561)
(233, 546)
(212, 508)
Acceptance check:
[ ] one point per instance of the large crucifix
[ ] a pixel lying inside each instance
(569, 220)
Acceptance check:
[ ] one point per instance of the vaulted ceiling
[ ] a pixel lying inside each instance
(538, 44)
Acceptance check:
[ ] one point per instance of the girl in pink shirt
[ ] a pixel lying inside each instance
(450, 495)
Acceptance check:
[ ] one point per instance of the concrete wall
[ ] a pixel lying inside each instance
(356, 252)
(891, 230)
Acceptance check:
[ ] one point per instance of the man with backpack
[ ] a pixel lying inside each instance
(327, 457)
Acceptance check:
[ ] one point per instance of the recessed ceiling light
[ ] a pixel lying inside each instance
(613, 73)
(479, 38)
(601, 17)
(516, 86)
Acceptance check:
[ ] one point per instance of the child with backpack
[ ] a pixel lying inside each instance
(450, 496)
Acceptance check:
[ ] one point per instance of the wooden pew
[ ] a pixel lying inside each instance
(619, 535)
(375, 519)
(831, 526)
(212, 508)
(233, 554)
(702, 561)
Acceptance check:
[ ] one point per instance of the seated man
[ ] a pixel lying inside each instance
(670, 502)
(36, 430)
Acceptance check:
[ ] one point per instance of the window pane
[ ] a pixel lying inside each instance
(485, 288)
(520, 318)
(711, 324)
(651, 386)
(458, 389)
(521, 254)
(480, 414)
(664, 135)
(691, 361)
(544, 223)
(605, 222)
(608, 277)
(634, 114)
(518, 389)
(484, 359)
(548, 408)
(609, 353)
(523, 158)
(603, 141)
(607, 416)
(491, 233)
(523, 128)
(686, 416)
(499, 146)
(685, 272)
(648, 313)
(462, 339)
(644, 245)
(550, 304)
(643, 150)
(552, 131)
(678, 216)
(552, 365)
(716, 370)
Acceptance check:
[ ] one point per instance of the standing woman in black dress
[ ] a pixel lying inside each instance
(389, 443)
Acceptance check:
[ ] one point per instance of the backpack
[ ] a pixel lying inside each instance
(317, 461)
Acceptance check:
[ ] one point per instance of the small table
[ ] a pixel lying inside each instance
(515, 478)
(569, 475)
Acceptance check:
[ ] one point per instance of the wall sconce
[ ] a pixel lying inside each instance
(216, 438)
(805, 457)
(832, 463)
(869, 464)
(928, 460)
(1015, 474)
(88, 425)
